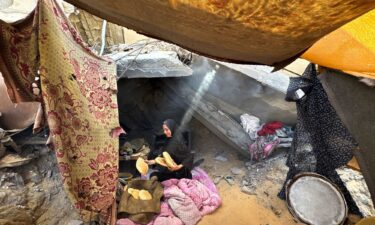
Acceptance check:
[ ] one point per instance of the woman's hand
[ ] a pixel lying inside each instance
(150, 162)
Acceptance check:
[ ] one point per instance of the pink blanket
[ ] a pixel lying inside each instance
(180, 203)
(201, 176)
(186, 201)
(166, 216)
(190, 199)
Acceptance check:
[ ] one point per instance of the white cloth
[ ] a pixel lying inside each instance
(251, 125)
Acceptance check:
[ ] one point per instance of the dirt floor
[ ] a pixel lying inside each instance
(242, 209)
(261, 206)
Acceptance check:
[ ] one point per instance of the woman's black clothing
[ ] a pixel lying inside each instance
(180, 153)
(321, 142)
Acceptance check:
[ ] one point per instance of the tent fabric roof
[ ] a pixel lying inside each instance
(350, 48)
(257, 31)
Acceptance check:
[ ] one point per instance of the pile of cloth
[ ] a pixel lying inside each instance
(265, 137)
(185, 201)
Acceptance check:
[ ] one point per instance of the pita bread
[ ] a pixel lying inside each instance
(141, 166)
(145, 195)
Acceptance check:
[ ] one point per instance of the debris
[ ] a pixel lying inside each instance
(13, 160)
(221, 158)
(153, 64)
(276, 211)
(2, 150)
(75, 222)
(38, 189)
(11, 180)
(248, 190)
(35, 177)
(217, 179)
(249, 164)
(198, 162)
(236, 171)
(245, 183)
(356, 185)
(229, 179)
(2, 196)
(48, 174)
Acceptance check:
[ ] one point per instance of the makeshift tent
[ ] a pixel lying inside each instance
(257, 31)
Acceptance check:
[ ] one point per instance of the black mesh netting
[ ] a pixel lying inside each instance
(321, 142)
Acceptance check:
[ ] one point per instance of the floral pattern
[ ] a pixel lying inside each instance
(19, 67)
(79, 96)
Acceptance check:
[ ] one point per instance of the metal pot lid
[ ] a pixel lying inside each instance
(313, 199)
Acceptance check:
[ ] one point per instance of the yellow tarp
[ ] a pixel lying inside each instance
(350, 48)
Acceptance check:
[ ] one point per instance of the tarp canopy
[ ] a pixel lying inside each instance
(350, 48)
(248, 31)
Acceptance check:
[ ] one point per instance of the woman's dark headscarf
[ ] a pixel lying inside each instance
(177, 147)
(171, 125)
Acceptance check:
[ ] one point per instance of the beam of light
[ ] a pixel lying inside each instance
(203, 87)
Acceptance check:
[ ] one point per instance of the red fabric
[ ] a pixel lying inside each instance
(270, 128)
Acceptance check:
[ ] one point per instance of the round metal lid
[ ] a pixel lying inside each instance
(313, 199)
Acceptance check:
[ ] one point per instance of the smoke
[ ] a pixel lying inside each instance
(205, 84)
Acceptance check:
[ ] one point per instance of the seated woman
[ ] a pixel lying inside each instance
(178, 150)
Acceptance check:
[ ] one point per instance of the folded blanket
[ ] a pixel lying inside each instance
(201, 176)
(190, 200)
(166, 217)
(182, 205)
(205, 200)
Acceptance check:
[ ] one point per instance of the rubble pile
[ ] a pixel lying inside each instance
(273, 170)
(31, 190)
(355, 183)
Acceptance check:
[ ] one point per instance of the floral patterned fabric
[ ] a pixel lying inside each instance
(78, 92)
(19, 59)
(79, 95)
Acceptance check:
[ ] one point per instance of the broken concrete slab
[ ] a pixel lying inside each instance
(236, 93)
(150, 65)
(213, 118)
(277, 80)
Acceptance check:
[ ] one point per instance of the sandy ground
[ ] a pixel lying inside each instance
(242, 209)
(261, 208)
